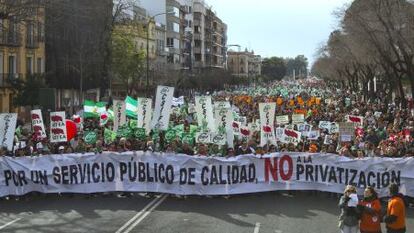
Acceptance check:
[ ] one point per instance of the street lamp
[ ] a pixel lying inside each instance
(152, 18)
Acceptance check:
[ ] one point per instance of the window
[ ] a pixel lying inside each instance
(190, 9)
(1, 63)
(176, 43)
(197, 29)
(39, 65)
(174, 11)
(30, 34)
(175, 27)
(170, 42)
(40, 32)
(12, 64)
(197, 43)
(29, 65)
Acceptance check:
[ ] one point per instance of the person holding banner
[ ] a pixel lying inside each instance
(370, 208)
(348, 220)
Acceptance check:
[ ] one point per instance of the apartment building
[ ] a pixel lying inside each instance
(244, 64)
(210, 37)
(22, 53)
(196, 37)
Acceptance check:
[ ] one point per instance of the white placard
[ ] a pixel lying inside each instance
(58, 127)
(162, 110)
(38, 126)
(7, 129)
(144, 114)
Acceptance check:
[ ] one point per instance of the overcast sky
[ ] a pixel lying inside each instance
(278, 27)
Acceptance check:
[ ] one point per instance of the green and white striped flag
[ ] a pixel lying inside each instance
(131, 107)
(92, 109)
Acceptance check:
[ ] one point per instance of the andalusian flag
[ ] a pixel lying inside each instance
(131, 107)
(92, 109)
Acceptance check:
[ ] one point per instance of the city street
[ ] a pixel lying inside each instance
(252, 213)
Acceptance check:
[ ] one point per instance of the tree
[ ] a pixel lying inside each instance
(374, 40)
(274, 68)
(128, 63)
(28, 90)
(299, 65)
(77, 35)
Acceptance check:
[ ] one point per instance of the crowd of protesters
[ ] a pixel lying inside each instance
(387, 128)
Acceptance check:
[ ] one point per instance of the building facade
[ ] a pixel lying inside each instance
(22, 53)
(210, 37)
(196, 37)
(244, 64)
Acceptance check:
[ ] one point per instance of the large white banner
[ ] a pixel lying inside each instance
(204, 109)
(58, 127)
(7, 129)
(267, 121)
(192, 175)
(144, 114)
(38, 126)
(162, 110)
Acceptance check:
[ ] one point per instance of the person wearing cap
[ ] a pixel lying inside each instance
(348, 220)
(395, 218)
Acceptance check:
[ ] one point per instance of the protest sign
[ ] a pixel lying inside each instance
(346, 131)
(203, 137)
(162, 110)
(58, 127)
(7, 129)
(282, 120)
(358, 120)
(313, 135)
(177, 101)
(188, 175)
(324, 125)
(204, 109)
(291, 136)
(298, 118)
(267, 120)
(144, 114)
(38, 126)
(120, 114)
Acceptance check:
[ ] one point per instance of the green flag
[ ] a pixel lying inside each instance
(131, 107)
(92, 109)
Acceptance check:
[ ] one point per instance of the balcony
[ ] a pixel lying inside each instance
(7, 79)
(10, 39)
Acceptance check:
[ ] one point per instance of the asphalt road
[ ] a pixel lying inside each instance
(252, 213)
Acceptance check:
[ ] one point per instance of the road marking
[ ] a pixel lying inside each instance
(141, 212)
(145, 214)
(278, 231)
(10, 223)
(257, 228)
